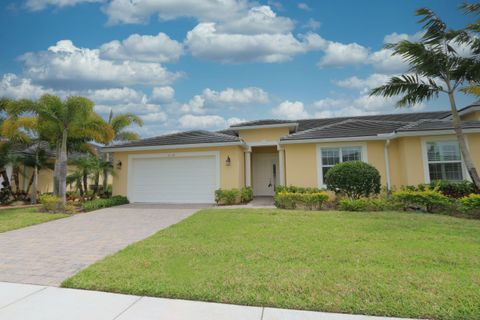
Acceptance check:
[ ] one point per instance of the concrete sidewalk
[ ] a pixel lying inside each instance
(32, 302)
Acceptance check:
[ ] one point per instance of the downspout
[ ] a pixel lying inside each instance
(387, 164)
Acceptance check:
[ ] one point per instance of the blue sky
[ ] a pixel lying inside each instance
(189, 64)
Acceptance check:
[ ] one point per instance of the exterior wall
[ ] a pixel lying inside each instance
(259, 135)
(376, 157)
(232, 176)
(45, 179)
(301, 165)
(475, 115)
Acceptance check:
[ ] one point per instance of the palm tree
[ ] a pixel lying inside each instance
(435, 68)
(59, 121)
(119, 123)
(37, 158)
(17, 130)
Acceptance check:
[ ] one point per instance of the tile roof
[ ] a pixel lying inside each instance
(404, 117)
(429, 125)
(187, 137)
(347, 128)
(264, 122)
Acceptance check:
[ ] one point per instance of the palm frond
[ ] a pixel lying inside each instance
(127, 136)
(121, 121)
(472, 89)
(411, 89)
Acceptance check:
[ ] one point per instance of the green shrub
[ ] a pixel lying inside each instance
(246, 194)
(355, 179)
(104, 203)
(428, 200)
(227, 196)
(453, 189)
(49, 203)
(367, 204)
(294, 189)
(294, 200)
(470, 202)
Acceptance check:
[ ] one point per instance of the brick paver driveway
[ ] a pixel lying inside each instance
(48, 253)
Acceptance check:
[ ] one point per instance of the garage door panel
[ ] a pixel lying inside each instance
(178, 179)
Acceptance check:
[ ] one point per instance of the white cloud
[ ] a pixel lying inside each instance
(205, 41)
(383, 61)
(290, 110)
(162, 94)
(65, 65)
(159, 48)
(195, 105)
(339, 55)
(159, 116)
(13, 87)
(312, 24)
(36, 5)
(141, 109)
(211, 122)
(236, 97)
(128, 11)
(116, 95)
(372, 81)
(212, 100)
(258, 20)
(397, 37)
(303, 6)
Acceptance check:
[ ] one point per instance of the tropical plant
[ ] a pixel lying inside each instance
(436, 68)
(119, 124)
(72, 118)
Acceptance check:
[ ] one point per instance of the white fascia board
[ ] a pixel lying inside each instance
(433, 132)
(266, 126)
(176, 146)
(386, 136)
(346, 139)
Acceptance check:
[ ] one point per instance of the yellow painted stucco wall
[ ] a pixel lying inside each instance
(263, 135)
(301, 165)
(45, 179)
(232, 176)
(475, 115)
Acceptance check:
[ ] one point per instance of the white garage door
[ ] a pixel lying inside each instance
(174, 179)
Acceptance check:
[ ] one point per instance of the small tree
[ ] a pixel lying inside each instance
(436, 68)
(355, 179)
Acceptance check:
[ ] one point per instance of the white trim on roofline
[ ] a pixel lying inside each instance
(385, 136)
(175, 146)
(266, 126)
(364, 138)
(466, 110)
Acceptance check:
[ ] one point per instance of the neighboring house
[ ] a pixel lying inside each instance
(45, 175)
(407, 149)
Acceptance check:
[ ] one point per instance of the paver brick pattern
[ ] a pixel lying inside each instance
(48, 253)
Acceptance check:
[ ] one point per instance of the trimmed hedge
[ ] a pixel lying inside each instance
(428, 200)
(470, 202)
(104, 203)
(355, 179)
(294, 189)
(294, 200)
(233, 196)
(368, 204)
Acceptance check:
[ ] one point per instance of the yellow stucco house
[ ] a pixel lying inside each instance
(407, 149)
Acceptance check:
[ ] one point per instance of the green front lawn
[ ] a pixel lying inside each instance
(392, 263)
(11, 219)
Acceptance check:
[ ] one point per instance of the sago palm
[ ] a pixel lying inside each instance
(435, 68)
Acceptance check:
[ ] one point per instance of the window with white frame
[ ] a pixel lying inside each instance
(444, 161)
(332, 156)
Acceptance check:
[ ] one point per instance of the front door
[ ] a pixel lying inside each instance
(265, 173)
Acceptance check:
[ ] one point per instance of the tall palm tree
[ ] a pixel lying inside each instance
(435, 68)
(60, 120)
(119, 124)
